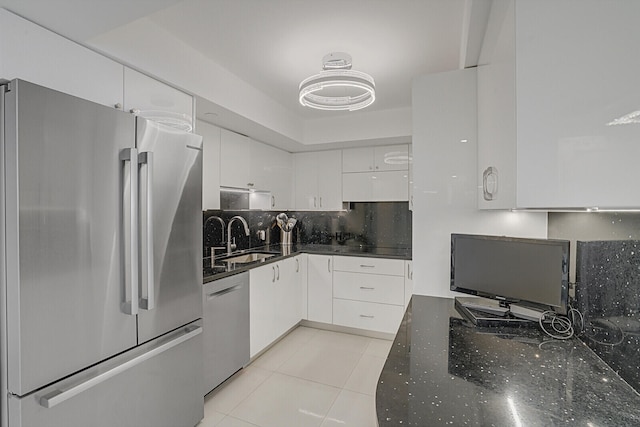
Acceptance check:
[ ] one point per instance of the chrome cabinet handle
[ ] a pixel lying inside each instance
(314, 201)
(273, 280)
(147, 273)
(273, 201)
(297, 265)
(490, 183)
(367, 316)
(367, 266)
(58, 396)
(131, 155)
(320, 201)
(329, 265)
(368, 288)
(278, 268)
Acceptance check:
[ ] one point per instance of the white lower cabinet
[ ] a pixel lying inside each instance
(275, 295)
(320, 289)
(368, 293)
(367, 315)
(408, 282)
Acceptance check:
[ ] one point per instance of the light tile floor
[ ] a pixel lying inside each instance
(310, 378)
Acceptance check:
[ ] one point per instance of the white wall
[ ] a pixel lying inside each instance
(444, 176)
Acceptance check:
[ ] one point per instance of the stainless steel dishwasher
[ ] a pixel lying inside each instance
(225, 328)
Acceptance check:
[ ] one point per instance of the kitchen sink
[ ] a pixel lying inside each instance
(250, 257)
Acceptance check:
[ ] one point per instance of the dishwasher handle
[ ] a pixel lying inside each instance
(224, 291)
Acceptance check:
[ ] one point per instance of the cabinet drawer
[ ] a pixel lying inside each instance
(367, 315)
(368, 287)
(392, 267)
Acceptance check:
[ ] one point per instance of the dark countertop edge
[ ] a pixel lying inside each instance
(402, 254)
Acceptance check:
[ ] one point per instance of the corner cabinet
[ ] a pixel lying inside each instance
(318, 180)
(558, 121)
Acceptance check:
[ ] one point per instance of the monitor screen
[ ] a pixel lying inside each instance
(511, 269)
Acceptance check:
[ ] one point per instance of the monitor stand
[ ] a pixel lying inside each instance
(487, 312)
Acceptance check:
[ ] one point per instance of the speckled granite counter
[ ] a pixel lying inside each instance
(221, 269)
(443, 371)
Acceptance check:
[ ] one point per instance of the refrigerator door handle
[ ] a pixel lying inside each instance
(131, 155)
(147, 267)
(58, 396)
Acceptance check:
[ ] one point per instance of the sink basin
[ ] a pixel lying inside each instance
(251, 257)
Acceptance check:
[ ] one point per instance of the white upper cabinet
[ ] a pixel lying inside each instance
(32, 53)
(318, 180)
(210, 165)
(383, 158)
(234, 160)
(149, 98)
(271, 169)
(558, 105)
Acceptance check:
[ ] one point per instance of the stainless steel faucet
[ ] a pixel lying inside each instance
(230, 246)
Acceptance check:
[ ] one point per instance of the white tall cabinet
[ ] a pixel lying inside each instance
(318, 180)
(556, 105)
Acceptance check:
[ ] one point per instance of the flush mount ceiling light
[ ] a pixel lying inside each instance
(337, 86)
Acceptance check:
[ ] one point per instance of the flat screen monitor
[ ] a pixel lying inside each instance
(513, 270)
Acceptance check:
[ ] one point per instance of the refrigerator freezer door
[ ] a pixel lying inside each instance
(65, 185)
(125, 390)
(171, 168)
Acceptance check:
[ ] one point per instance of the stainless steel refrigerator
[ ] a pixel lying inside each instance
(101, 284)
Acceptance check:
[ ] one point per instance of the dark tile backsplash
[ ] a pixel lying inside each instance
(606, 271)
(380, 224)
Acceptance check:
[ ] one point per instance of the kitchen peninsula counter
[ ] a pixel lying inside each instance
(442, 370)
(222, 269)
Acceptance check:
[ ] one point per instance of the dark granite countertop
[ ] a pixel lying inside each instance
(222, 269)
(442, 370)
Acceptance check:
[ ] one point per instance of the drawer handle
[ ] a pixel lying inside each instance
(367, 266)
(368, 288)
(367, 316)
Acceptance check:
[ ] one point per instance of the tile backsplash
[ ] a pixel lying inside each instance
(380, 224)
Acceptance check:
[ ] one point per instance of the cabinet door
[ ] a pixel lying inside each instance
(306, 181)
(357, 187)
(210, 165)
(154, 100)
(390, 186)
(577, 126)
(37, 55)
(357, 159)
(320, 289)
(234, 160)
(408, 281)
(329, 165)
(271, 169)
(391, 158)
(288, 307)
(301, 279)
(262, 306)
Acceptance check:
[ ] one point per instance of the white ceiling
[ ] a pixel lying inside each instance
(274, 44)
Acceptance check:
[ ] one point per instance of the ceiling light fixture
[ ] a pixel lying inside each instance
(337, 86)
